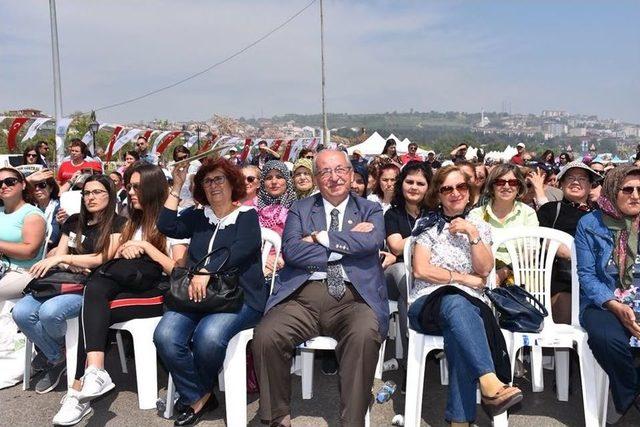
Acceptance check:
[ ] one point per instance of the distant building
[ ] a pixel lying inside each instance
(554, 113)
(578, 132)
(26, 112)
(552, 130)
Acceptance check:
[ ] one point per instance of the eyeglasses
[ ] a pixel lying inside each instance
(503, 182)
(133, 186)
(446, 190)
(628, 190)
(140, 144)
(32, 155)
(250, 179)
(579, 179)
(41, 185)
(341, 171)
(9, 181)
(217, 180)
(94, 193)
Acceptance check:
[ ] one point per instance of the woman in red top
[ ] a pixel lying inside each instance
(80, 160)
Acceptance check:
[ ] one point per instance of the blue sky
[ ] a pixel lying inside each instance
(580, 56)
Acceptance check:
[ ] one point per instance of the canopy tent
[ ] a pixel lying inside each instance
(402, 147)
(372, 146)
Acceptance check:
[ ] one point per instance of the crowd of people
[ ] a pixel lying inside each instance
(344, 221)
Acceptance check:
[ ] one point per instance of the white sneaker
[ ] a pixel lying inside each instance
(95, 383)
(72, 411)
(390, 365)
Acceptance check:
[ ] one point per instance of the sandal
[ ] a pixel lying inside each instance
(504, 399)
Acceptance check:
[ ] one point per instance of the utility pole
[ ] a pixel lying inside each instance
(325, 132)
(57, 85)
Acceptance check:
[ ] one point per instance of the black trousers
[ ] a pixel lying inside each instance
(609, 342)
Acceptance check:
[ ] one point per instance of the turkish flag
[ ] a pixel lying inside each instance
(207, 144)
(276, 144)
(287, 150)
(13, 131)
(167, 140)
(147, 134)
(245, 149)
(112, 141)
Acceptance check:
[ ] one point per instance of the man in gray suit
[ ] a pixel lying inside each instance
(332, 284)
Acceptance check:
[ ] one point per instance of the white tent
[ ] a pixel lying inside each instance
(372, 146)
(402, 147)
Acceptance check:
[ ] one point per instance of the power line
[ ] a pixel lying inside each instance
(211, 67)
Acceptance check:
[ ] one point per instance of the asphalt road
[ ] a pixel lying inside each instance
(119, 408)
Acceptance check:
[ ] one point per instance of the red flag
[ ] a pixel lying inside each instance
(147, 134)
(287, 150)
(167, 140)
(207, 144)
(112, 141)
(245, 149)
(13, 131)
(276, 144)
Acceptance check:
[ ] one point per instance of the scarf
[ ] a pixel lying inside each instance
(306, 163)
(287, 198)
(624, 228)
(437, 219)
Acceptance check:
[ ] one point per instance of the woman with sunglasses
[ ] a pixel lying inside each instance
(503, 208)
(147, 187)
(407, 206)
(306, 153)
(385, 185)
(30, 156)
(251, 175)
(88, 239)
(22, 234)
(46, 194)
(303, 179)
(451, 261)
(193, 345)
(606, 243)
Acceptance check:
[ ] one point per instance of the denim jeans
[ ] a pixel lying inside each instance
(467, 350)
(193, 346)
(44, 321)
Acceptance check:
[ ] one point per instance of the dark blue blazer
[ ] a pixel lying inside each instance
(360, 256)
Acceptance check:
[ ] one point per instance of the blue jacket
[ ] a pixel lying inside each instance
(361, 260)
(594, 247)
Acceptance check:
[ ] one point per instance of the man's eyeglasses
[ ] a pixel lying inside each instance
(217, 180)
(341, 171)
(446, 190)
(94, 193)
(503, 182)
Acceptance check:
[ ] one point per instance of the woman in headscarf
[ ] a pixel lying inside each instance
(303, 178)
(275, 197)
(607, 248)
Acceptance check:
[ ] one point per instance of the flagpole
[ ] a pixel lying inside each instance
(325, 133)
(57, 85)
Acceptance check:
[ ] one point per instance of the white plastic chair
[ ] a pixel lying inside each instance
(234, 368)
(532, 251)
(420, 346)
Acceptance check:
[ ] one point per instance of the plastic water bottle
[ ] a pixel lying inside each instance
(386, 391)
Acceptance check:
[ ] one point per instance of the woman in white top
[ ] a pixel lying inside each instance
(452, 259)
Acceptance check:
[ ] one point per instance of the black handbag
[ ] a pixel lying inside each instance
(515, 312)
(137, 274)
(224, 294)
(56, 281)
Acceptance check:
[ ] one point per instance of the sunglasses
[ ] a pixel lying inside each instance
(32, 155)
(628, 190)
(135, 187)
(41, 185)
(180, 158)
(446, 190)
(503, 182)
(9, 182)
(250, 179)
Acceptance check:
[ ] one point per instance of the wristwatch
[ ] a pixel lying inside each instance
(314, 237)
(475, 241)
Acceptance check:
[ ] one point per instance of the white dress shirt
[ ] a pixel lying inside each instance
(323, 237)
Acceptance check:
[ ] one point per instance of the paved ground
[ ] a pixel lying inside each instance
(119, 408)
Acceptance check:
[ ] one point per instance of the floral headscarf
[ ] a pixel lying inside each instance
(624, 228)
(305, 163)
(287, 198)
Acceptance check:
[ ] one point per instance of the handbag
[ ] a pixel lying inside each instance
(223, 295)
(137, 274)
(57, 281)
(515, 312)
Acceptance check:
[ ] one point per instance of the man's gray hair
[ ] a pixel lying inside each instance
(315, 158)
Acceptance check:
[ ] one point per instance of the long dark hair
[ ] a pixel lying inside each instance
(28, 148)
(152, 193)
(388, 144)
(378, 188)
(544, 156)
(104, 218)
(413, 166)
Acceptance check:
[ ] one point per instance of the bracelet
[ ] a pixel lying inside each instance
(177, 196)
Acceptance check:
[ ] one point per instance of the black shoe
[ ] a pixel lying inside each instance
(179, 407)
(39, 363)
(189, 417)
(329, 364)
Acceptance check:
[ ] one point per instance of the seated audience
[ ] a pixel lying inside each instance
(46, 194)
(360, 181)
(451, 261)
(79, 162)
(130, 158)
(193, 345)
(607, 249)
(22, 233)
(30, 156)
(88, 239)
(275, 196)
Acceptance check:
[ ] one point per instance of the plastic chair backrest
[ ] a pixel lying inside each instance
(408, 267)
(270, 240)
(532, 251)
